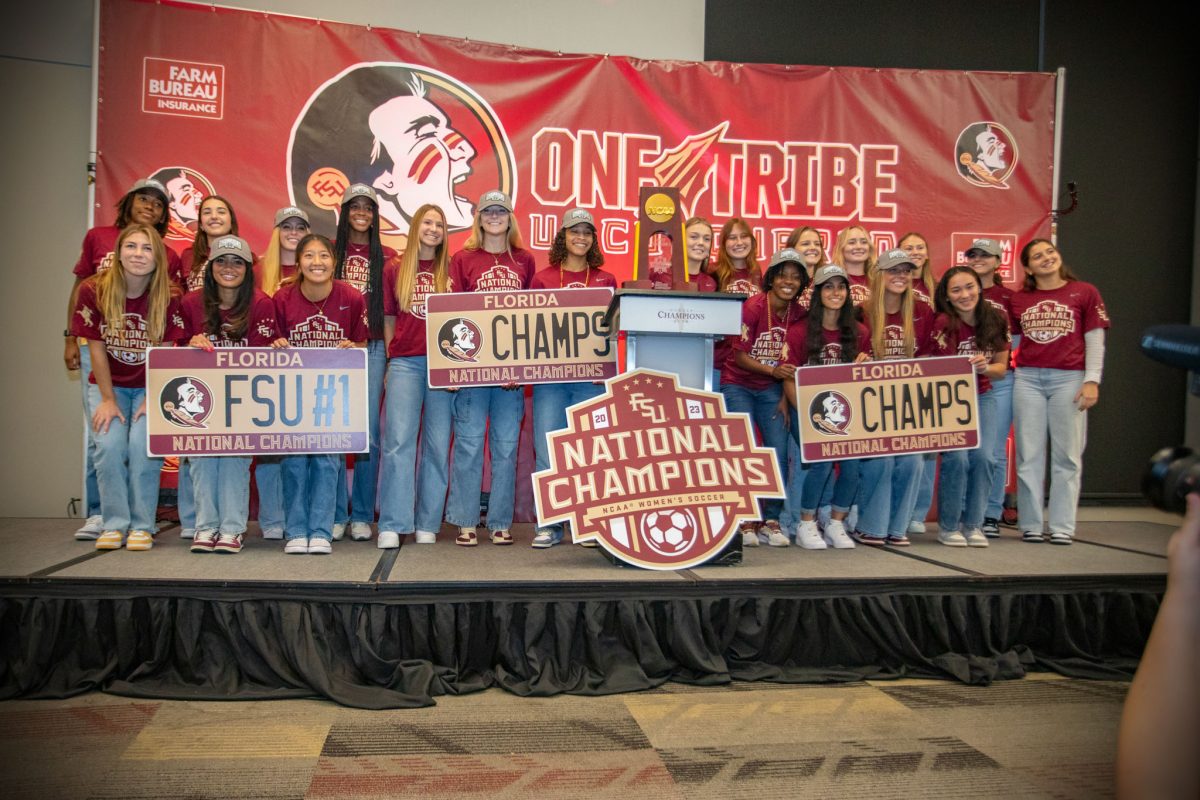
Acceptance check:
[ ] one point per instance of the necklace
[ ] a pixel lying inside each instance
(587, 274)
(320, 308)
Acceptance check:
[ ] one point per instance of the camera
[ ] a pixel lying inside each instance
(1173, 472)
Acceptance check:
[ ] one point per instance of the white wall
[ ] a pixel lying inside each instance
(45, 73)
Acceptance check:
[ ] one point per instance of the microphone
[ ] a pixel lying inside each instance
(1175, 345)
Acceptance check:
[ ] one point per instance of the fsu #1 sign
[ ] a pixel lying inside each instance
(256, 401)
(887, 408)
(534, 336)
(658, 475)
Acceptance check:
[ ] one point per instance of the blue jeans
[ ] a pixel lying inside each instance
(925, 487)
(91, 487)
(366, 465)
(498, 412)
(411, 494)
(308, 487)
(1044, 403)
(763, 407)
(794, 488)
(185, 500)
(550, 401)
(887, 493)
(127, 477)
(222, 491)
(967, 476)
(1002, 393)
(269, 479)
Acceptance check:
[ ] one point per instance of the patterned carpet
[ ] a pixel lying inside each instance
(1042, 737)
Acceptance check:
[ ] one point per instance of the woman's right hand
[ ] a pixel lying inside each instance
(106, 412)
(203, 342)
(71, 353)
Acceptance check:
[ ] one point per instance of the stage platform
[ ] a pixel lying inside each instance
(374, 628)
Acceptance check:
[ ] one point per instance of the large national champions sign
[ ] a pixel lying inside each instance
(186, 96)
(536, 336)
(887, 408)
(659, 475)
(256, 401)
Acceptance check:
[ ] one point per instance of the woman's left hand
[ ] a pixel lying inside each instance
(1088, 396)
(141, 411)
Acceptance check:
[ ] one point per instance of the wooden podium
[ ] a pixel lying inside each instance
(674, 331)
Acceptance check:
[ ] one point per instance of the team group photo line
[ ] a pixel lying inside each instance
(349, 319)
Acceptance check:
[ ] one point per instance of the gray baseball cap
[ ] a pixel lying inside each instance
(359, 190)
(829, 271)
(575, 216)
(894, 258)
(231, 246)
(989, 246)
(290, 212)
(150, 185)
(495, 198)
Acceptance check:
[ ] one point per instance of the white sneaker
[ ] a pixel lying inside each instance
(916, 526)
(388, 540)
(749, 537)
(975, 538)
(426, 537)
(952, 539)
(339, 530)
(773, 535)
(93, 526)
(835, 535)
(360, 531)
(808, 537)
(272, 533)
(319, 547)
(297, 546)
(187, 533)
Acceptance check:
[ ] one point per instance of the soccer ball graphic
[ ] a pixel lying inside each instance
(669, 531)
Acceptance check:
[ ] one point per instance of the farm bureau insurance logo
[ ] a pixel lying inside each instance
(186, 402)
(659, 475)
(986, 154)
(414, 134)
(183, 88)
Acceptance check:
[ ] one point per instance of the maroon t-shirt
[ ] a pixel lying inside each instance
(1052, 324)
(409, 339)
(831, 346)
(764, 338)
(944, 340)
(260, 328)
(481, 271)
(557, 278)
(341, 315)
(97, 254)
(126, 348)
(893, 333)
(1000, 296)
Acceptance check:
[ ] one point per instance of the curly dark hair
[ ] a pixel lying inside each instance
(558, 250)
(989, 322)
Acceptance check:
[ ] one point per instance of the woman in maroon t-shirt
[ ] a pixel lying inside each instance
(1061, 321)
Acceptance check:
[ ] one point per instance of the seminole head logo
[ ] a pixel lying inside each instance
(414, 134)
(986, 154)
(658, 475)
(185, 402)
(460, 339)
(185, 189)
(830, 413)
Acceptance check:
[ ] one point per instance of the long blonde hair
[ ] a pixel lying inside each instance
(475, 240)
(844, 234)
(876, 316)
(406, 275)
(270, 266)
(112, 289)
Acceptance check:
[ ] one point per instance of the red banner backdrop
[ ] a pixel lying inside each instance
(270, 110)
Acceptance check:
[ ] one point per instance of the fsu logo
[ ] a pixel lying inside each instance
(658, 475)
(460, 340)
(412, 133)
(185, 402)
(186, 188)
(986, 155)
(830, 413)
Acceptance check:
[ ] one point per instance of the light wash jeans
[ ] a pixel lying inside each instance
(91, 487)
(185, 494)
(763, 407)
(925, 487)
(413, 497)
(222, 492)
(967, 475)
(1044, 403)
(366, 465)
(550, 402)
(268, 477)
(819, 485)
(887, 491)
(1003, 392)
(127, 477)
(498, 412)
(308, 484)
